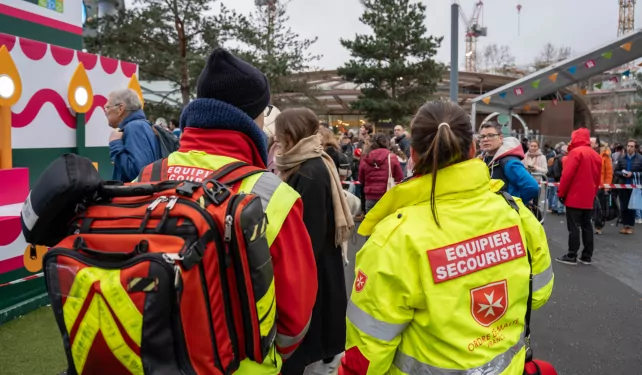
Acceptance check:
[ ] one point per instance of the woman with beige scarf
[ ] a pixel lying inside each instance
(304, 165)
(535, 160)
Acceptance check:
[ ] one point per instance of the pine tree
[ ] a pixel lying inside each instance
(169, 39)
(274, 48)
(396, 65)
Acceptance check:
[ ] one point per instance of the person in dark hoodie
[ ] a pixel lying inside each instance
(223, 125)
(504, 159)
(374, 171)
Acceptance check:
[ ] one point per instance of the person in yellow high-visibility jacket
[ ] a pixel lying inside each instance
(442, 284)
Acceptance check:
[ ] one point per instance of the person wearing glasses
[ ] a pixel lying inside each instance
(504, 159)
(132, 143)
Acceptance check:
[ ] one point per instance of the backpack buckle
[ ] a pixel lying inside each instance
(187, 189)
(192, 255)
(218, 192)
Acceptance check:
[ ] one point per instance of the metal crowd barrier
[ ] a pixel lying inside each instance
(542, 203)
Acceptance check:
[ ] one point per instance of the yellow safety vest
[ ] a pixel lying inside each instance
(449, 300)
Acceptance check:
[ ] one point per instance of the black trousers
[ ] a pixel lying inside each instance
(628, 216)
(579, 221)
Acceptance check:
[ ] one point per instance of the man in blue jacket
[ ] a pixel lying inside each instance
(132, 143)
(504, 159)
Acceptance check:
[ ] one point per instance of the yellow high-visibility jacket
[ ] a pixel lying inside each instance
(450, 299)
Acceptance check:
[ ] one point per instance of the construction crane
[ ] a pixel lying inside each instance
(626, 19)
(474, 30)
(519, 16)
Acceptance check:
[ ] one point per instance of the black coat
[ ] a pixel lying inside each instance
(636, 167)
(327, 334)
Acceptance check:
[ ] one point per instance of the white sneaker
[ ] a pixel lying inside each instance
(320, 368)
(638, 221)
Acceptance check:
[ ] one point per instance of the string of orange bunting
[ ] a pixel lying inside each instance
(589, 64)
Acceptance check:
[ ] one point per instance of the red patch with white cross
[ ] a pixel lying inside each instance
(489, 303)
(360, 281)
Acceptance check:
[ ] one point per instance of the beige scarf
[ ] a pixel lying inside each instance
(310, 148)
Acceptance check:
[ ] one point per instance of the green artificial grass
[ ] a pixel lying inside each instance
(32, 345)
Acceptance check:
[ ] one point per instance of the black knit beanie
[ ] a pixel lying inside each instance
(233, 81)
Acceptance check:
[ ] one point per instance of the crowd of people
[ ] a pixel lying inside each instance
(418, 190)
(616, 161)
(577, 173)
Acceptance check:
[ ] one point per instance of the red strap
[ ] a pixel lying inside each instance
(243, 171)
(164, 167)
(146, 174)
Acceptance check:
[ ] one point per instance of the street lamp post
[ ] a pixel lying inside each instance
(454, 52)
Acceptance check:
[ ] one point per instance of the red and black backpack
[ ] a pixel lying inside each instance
(171, 277)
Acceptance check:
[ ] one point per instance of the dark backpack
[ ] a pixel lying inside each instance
(557, 168)
(345, 167)
(606, 207)
(167, 140)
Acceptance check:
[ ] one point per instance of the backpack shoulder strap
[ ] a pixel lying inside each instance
(527, 318)
(157, 171)
(233, 173)
(509, 199)
(503, 161)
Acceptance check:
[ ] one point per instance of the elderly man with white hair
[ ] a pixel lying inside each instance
(132, 143)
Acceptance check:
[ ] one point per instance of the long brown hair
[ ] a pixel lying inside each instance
(379, 140)
(291, 126)
(441, 135)
(328, 139)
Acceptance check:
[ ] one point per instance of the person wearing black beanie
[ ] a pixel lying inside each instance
(223, 125)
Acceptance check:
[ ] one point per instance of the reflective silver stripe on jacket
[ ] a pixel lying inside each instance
(284, 341)
(371, 326)
(265, 187)
(497, 365)
(286, 356)
(543, 278)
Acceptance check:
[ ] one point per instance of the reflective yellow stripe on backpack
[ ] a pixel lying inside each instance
(98, 318)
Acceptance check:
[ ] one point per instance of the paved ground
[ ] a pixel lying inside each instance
(593, 322)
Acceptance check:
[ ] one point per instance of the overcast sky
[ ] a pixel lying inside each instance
(580, 24)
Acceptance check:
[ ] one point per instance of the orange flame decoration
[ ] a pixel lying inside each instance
(79, 93)
(10, 83)
(10, 92)
(135, 85)
(33, 259)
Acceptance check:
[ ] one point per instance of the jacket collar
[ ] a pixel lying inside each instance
(222, 142)
(213, 115)
(510, 146)
(417, 190)
(136, 115)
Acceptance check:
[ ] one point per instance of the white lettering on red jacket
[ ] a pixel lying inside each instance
(180, 173)
(476, 254)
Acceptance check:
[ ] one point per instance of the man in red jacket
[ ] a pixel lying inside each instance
(578, 187)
